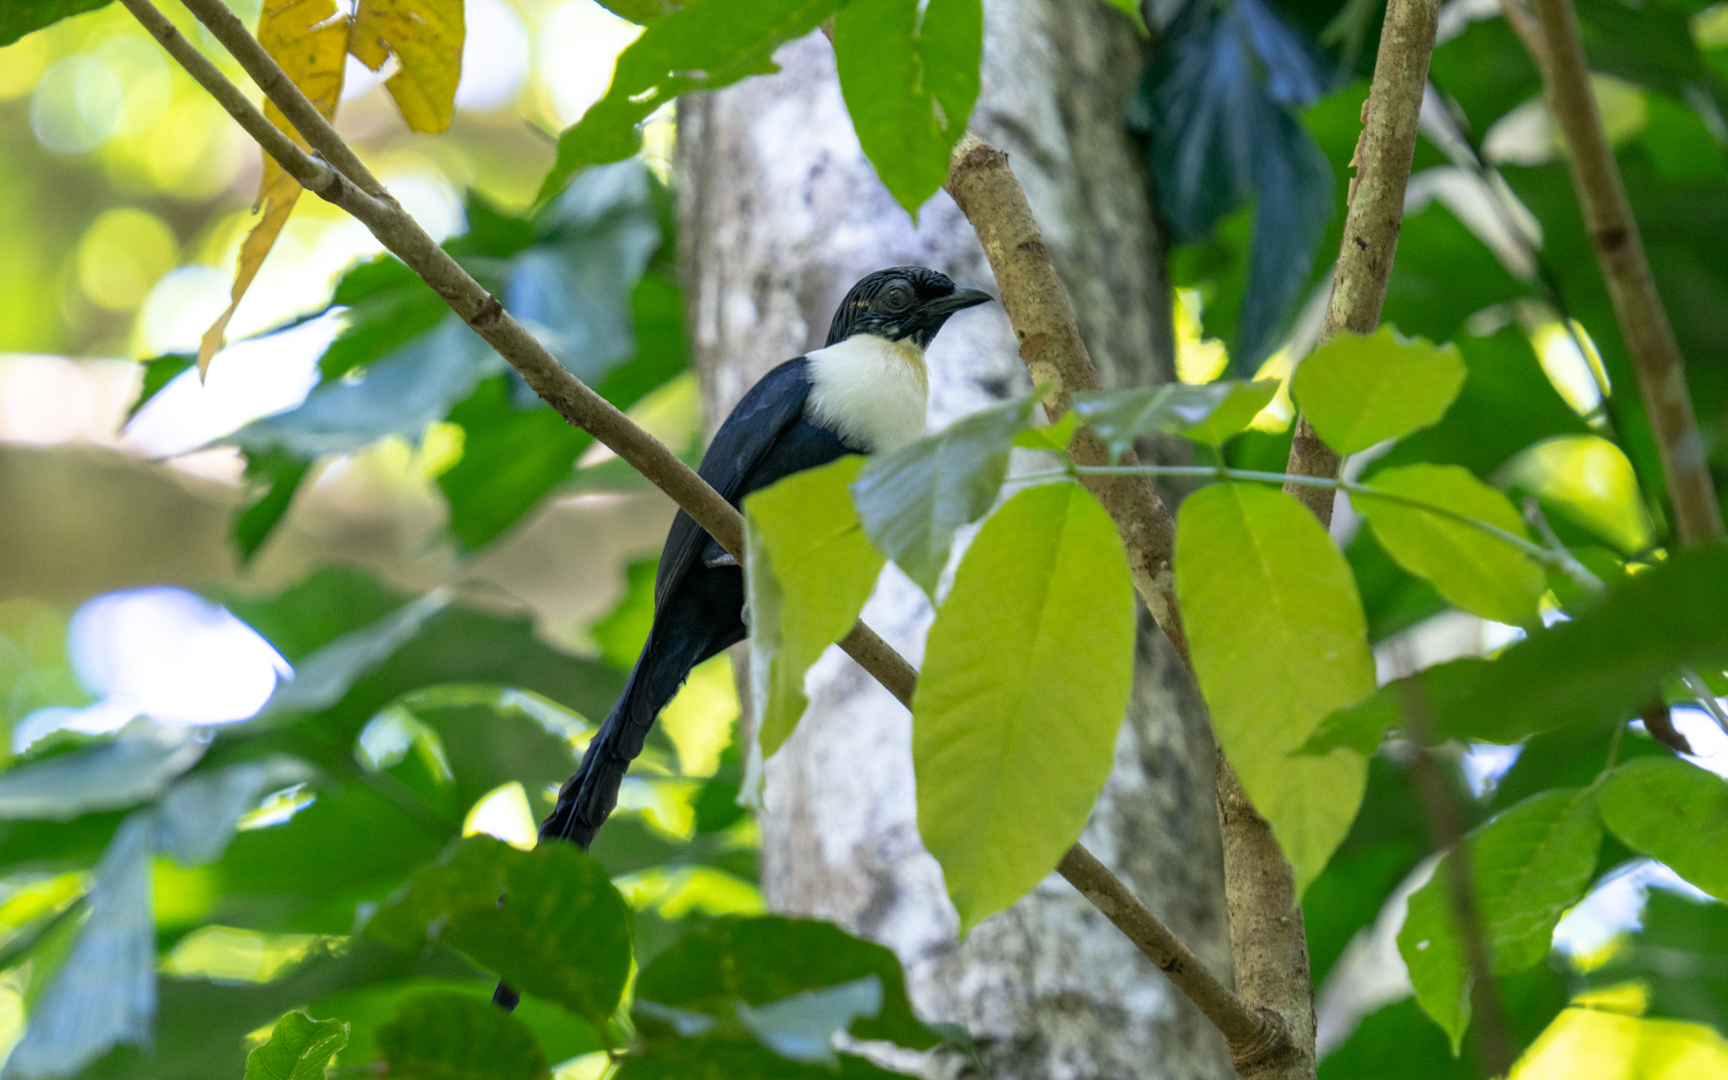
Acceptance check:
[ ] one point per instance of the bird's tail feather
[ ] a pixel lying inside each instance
(587, 798)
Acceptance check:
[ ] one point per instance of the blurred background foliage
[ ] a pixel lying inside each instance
(361, 494)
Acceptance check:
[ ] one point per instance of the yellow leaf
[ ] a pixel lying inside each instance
(426, 36)
(308, 39)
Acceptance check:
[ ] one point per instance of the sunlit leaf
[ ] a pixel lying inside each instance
(910, 79)
(1529, 864)
(105, 992)
(809, 571)
(1597, 668)
(107, 775)
(310, 43)
(1674, 812)
(401, 394)
(1590, 482)
(1400, 1041)
(1278, 641)
(1506, 404)
(915, 499)
(426, 38)
(1025, 678)
(443, 1036)
(1681, 954)
(197, 817)
(703, 47)
(1361, 390)
(298, 1049)
(1481, 574)
(1209, 413)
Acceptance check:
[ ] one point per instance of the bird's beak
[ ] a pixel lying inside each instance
(957, 300)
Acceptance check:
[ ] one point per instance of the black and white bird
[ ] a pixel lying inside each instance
(864, 393)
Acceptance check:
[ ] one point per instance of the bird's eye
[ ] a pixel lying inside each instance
(897, 297)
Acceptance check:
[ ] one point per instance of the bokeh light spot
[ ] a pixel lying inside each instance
(77, 105)
(123, 253)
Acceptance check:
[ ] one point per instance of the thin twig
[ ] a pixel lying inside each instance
(1037, 303)
(1524, 547)
(1251, 1036)
(572, 399)
(1493, 1045)
(1254, 868)
(318, 132)
(1638, 307)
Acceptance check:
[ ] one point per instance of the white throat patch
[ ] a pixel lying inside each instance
(871, 390)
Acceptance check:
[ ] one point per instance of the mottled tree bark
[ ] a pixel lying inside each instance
(779, 215)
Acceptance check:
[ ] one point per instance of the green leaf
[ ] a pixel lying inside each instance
(770, 958)
(158, 373)
(20, 17)
(1025, 678)
(1507, 404)
(1132, 10)
(1680, 955)
(274, 475)
(641, 12)
(298, 1049)
(387, 307)
(105, 992)
(703, 47)
(1210, 413)
(909, 87)
(511, 457)
(719, 1057)
(913, 500)
(1598, 668)
(324, 678)
(441, 1036)
(1278, 640)
(951, 50)
(1360, 390)
(494, 741)
(1398, 1041)
(623, 633)
(802, 1027)
(810, 569)
(562, 931)
(1481, 574)
(1674, 812)
(108, 775)
(1528, 864)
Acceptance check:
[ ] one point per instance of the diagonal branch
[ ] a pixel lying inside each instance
(1620, 250)
(350, 186)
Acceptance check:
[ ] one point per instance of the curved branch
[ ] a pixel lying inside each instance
(1620, 250)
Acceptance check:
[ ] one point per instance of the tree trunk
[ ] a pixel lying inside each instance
(779, 214)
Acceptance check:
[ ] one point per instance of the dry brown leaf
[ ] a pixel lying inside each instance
(310, 42)
(426, 36)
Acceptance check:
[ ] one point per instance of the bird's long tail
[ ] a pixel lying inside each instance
(587, 798)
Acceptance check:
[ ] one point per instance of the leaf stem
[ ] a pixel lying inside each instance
(1534, 551)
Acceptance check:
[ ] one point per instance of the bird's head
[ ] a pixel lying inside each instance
(904, 303)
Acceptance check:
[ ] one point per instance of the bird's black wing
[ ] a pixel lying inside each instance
(769, 408)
